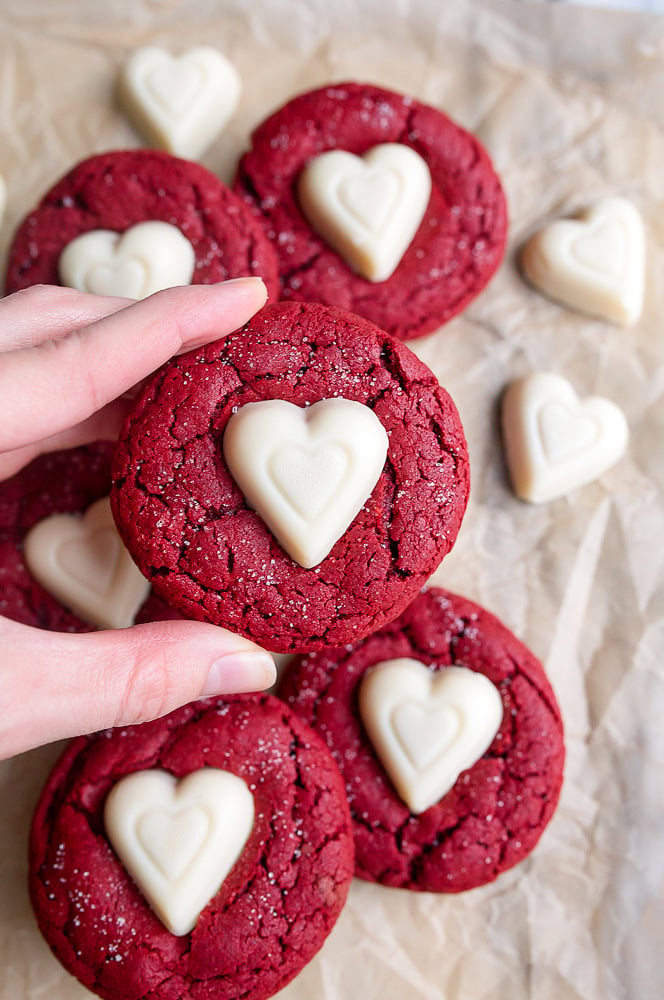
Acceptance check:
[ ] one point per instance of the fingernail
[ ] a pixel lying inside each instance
(247, 280)
(240, 672)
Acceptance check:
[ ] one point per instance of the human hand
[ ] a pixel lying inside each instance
(69, 364)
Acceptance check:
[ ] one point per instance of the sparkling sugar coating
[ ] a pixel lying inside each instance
(498, 808)
(277, 904)
(189, 528)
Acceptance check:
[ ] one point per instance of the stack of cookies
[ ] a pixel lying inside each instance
(297, 482)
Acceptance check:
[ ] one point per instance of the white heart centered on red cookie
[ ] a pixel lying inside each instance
(179, 839)
(180, 103)
(595, 263)
(427, 727)
(555, 442)
(307, 471)
(367, 207)
(425, 731)
(144, 259)
(82, 562)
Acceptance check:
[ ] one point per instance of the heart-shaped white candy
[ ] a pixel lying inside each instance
(179, 839)
(595, 263)
(3, 198)
(427, 727)
(555, 442)
(368, 208)
(307, 471)
(180, 103)
(146, 258)
(82, 562)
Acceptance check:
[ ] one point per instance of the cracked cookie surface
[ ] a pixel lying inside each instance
(497, 809)
(120, 189)
(459, 243)
(63, 482)
(207, 553)
(274, 909)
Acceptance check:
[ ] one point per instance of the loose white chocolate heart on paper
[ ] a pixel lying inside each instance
(307, 471)
(82, 562)
(180, 103)
(3, 198)
(427, 727)
(555, 442)
(144, 259)
(179, 839)
(595, 263)
(368, 208)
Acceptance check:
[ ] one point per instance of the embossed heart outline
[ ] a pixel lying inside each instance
(594, 262)
(179, 102)
(144, 259)
(108, 588)
(265, 442)
(554, 441)
(373, 226)
(397, 696)
(201, 853)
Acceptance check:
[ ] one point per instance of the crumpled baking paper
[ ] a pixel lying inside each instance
(569, 103)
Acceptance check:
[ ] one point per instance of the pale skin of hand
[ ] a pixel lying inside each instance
(69, 365)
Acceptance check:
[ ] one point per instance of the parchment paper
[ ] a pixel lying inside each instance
(570, 104)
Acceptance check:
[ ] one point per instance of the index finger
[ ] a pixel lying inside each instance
(46, 312)
(59, 383)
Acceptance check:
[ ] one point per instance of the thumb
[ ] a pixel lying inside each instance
(56, 685)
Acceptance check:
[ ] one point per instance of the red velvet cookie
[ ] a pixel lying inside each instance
(276, 904)
(460, 240)
(497, 808)
(60, 483)
(115, 191)
(208, 553)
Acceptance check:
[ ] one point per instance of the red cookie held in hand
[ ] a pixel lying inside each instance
(334, 405)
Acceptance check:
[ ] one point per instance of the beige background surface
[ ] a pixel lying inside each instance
(569, 103)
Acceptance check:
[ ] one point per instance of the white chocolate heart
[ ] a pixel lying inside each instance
(555, 442)
(82, 562)
(3, 198)
(368, 208)
(427, 727)
(180, 103)
(306, 471)
(146, 258)
(179, 839)
(595, 263)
